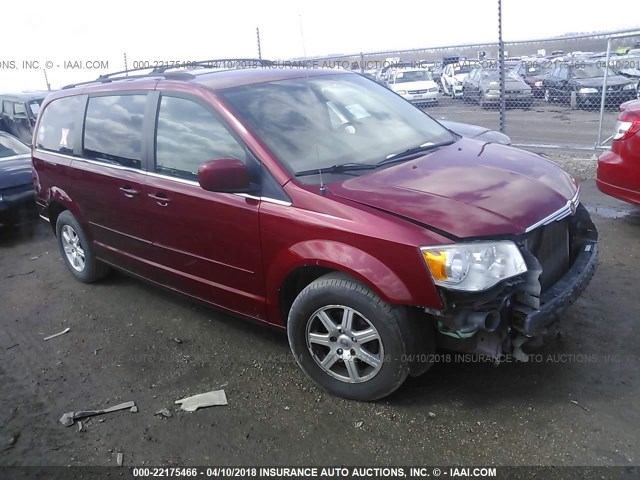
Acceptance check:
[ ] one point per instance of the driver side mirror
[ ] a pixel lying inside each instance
(226, 175)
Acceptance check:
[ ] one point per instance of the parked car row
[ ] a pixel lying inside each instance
(575, 80)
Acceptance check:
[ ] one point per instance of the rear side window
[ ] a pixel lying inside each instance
(20, 110)
(188, 136)
(7, 108)
(58, 129)
(113, 129)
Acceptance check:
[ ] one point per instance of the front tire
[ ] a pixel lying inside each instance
(348, 340)
(77, 251)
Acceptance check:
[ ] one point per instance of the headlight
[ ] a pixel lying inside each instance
(629, 86)
(401, 92)
(473, 266)
(538, 83)
(588, 90)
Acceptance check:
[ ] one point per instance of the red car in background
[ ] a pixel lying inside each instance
(619, 169)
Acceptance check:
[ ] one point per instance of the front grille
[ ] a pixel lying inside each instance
(513, 91)
(550, 245)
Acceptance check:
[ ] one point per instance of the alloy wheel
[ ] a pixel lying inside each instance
(344, 344)
(73, 248)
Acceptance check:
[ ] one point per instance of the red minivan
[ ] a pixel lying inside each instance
(319, 202)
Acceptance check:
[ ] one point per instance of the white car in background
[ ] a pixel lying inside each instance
(452, 77)
(415, 85)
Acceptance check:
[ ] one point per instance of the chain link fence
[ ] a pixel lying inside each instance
(556, 92)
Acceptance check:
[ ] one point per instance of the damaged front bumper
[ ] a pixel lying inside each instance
(557, 299)
(523, 310)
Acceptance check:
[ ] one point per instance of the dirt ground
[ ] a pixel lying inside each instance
(575, 403)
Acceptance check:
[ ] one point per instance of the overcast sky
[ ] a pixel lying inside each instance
(78, 30)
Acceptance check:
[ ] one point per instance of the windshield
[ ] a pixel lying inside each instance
(461, 69)
(495, 74)
(413, 76)
(10, 147)
(322, 121)
(535, 69)
(590, 71)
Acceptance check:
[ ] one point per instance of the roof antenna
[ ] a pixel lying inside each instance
(323, 189)
(304, 50)
(46, 79)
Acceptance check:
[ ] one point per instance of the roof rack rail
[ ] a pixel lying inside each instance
(162, 70)
(107, 78)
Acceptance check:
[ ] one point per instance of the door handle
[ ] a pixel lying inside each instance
(160, 198)
(129, 192)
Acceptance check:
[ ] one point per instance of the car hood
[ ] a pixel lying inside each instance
(15, 171)
(468, 189)
(508, 84)
(599, 81)
(633, 73)
(468, 130)
(419, 85)
(532, 79)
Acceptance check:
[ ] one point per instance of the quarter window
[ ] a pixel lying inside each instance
(113, 129)
(189, 135)
(57, 131)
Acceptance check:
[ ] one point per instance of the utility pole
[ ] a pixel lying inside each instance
(259, 50)
(46, 79)
(503, 105)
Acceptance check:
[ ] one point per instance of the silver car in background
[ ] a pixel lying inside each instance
(482, 86)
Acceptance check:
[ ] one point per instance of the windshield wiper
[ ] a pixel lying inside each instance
(343, 167)
(409, 153)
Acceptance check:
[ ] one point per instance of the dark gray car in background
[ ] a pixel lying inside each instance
(18, 113)
(17, 201)
(587, 80)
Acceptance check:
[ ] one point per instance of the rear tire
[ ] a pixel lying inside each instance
(77, 251)
(323, 322)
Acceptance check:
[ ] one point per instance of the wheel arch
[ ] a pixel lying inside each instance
(54, 209)
(292, 270)
(58, 201)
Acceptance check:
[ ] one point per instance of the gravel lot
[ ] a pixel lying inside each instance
(574, 404)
